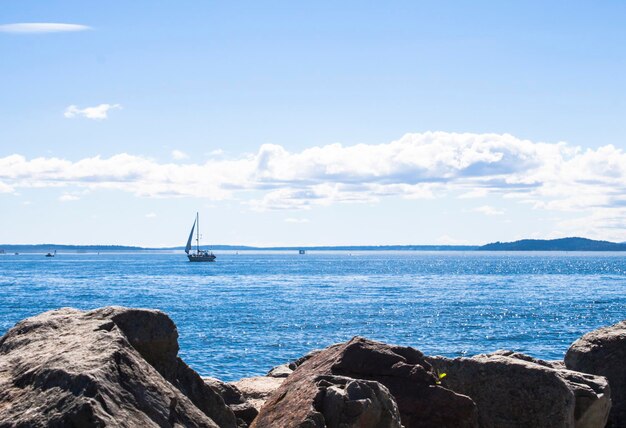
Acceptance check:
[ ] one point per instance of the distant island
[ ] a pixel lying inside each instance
(563, 244)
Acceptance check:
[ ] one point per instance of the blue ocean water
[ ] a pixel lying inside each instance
(248, 312)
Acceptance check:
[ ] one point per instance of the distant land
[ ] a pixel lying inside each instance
(563, 244)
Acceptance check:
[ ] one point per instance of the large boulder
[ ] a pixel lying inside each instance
(338, 402)
(603, 352)
(322, 382)
(107, 367)
(513, 390)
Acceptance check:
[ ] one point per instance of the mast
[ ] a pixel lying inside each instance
(197, 233)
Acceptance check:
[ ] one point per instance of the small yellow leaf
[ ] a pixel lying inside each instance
(442, 375)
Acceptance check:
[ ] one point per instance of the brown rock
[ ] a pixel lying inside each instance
(514, 390)
(603, 352)
(286, 369)
(402, 371)
(107, 367)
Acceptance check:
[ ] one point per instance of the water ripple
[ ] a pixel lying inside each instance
(248, 312)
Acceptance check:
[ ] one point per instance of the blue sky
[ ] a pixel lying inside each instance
(312, 123)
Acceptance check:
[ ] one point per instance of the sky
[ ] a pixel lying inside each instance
(311, 123)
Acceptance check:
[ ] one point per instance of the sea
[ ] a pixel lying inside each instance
(250, 311)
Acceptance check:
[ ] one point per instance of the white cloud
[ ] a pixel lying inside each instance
(314, 195)
(488, 210)
(151, 215)
(179, 155)
(5, 188)
(600, 223)
(296, 220)
(548, 176)
(474, 193)
(98, 112)
(66, 197)
(41, 27)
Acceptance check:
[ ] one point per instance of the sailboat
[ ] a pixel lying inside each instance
(199, 255)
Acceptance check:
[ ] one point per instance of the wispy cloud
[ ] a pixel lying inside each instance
(474, 193)
(66, 197)
(611, 219)
(548, 176)
(151, 215)
(449, 240)
(41, 27)
(179, 155)
(488, 210)
(98, 112)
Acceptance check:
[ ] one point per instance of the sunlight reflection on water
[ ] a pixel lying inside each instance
(246, 313)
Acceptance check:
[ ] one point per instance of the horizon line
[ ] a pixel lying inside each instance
(239, 246)
(295, 247)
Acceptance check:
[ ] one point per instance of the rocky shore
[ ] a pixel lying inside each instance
(120, 367)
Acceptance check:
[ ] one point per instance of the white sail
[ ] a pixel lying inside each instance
(188, 247)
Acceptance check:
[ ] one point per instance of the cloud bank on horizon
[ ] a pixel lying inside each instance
(549, 176)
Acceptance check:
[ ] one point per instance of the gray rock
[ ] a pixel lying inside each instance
(108, 367)
(514, 390)
(228, 391)
(345, 402)
(280, 371)
(256, 390)
(244, 410)
(592, 393)
(603, 352)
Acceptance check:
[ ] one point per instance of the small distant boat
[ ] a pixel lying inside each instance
(302, 252)
(199, 255)
(52, 254)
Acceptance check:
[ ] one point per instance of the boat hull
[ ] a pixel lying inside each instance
(201, 258)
